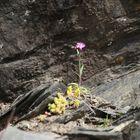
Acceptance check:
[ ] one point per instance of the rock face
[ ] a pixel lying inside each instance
(15, 133)
(35, 36)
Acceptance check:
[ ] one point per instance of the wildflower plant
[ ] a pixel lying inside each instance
(75, 103)
(59, 104)
(106, 122)
(74, 91)
(79, 47)
(42, 118)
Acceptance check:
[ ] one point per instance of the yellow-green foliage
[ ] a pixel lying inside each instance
(73, 90)
(84, 90)
(41, 117)
(106, 122)
(59, 104)
(74, 103)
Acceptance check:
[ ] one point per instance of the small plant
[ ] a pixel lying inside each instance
(79, 46)
(84, 90)
(41, 117)
(75, 103)
(106, 122)
(59, 104)
(74, 91)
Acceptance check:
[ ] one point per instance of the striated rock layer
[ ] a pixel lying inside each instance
(35, 36)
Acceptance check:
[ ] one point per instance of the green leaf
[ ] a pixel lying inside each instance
(81, 69)
(77, 52)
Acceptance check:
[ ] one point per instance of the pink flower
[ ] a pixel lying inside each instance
(80, 45)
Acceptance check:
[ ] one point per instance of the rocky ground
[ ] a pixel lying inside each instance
(52, 123)
(35, 49)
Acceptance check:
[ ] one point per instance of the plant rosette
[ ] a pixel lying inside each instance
(74, 103)
(73, 90)
(59, 104)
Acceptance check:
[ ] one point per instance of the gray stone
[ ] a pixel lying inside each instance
(12, 133)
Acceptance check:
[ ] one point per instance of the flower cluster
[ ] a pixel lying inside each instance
(59, 104)
(80, 45)
(73, 90)
(75, 103)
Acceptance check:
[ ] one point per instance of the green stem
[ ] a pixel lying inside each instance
(80, 76)
(80, 66)
(79, 70)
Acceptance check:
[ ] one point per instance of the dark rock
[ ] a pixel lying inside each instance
(35, 35)
(122, 92)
